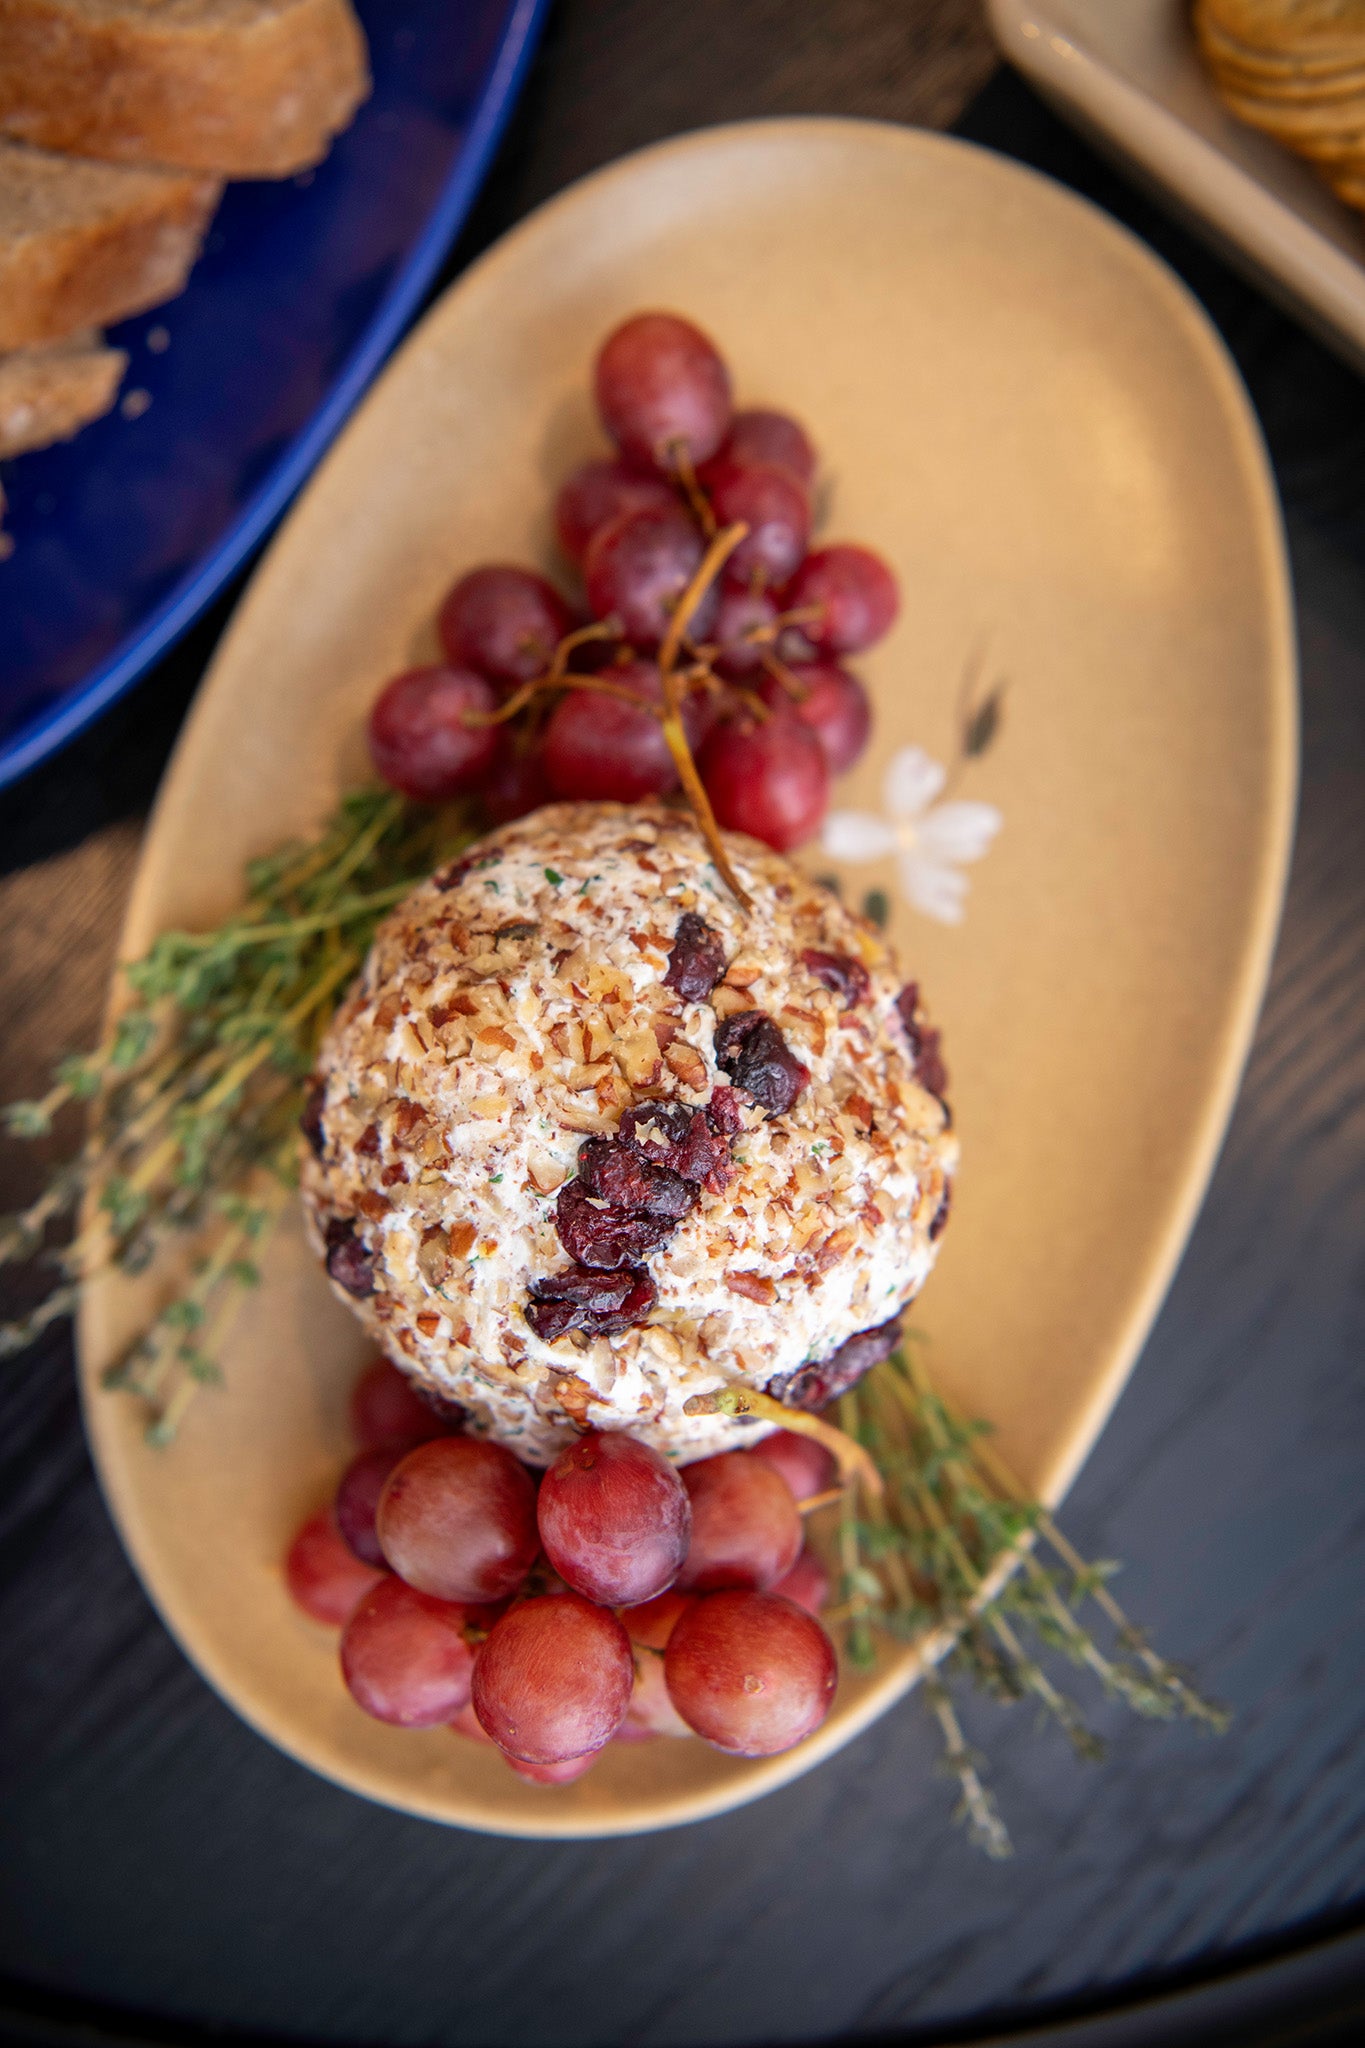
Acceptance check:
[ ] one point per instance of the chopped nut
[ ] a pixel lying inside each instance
(428, 1323)
(567, 1038)
(587, 1076)
(372, 1204)
(753, 1286)
(495, 1037)
(832, 1250)
(573, 1394)
(687, 1063)
(639, 1058)
(727, 1001)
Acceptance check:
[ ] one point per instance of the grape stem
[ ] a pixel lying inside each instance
(853, 1461)
(555, 674)
(681, 457)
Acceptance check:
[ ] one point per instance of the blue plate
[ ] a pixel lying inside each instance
(235, 388)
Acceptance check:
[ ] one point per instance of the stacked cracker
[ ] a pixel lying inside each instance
(119, 121)
(1296, 69)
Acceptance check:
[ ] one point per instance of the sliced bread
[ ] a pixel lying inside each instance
(83, 244)
(247, 88)
(49, 394)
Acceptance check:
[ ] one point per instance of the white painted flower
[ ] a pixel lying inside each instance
(930, 841)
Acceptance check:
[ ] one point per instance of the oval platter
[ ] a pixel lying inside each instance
(1034, 421)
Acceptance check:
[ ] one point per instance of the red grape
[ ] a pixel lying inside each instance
(599, 492)
(745, 1527)
(357, 1498)
(652, 1622)
(419, 741)
(740, 613)
(806, 1465)
(458, 1519)
(760, 435)
(503, 621)
(554, 1678)
(835, 707)
(596, 746)
(552, 1774)
(776, 510)
(638, 566)
(771, 780)
(467, 1722)
(386, 1408)
(807, 1583)
(614, 1518)
(856, 595)
(518, 783)
(324, 1576)
(751, 1672)
(405, 1658)
(651, 1711)
(660, 382)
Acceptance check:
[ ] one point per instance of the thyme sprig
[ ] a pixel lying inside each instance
(954, 1556)
(194, 1093)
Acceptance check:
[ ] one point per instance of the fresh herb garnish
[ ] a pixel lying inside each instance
(196, 1091)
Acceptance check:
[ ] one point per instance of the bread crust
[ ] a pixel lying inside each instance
(255, 89)
(83, 245)
(48, 395)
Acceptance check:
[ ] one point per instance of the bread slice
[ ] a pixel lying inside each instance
(247, 88)
(82, 244)
(49, 394)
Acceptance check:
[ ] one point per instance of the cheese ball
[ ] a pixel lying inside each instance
(588, 1141)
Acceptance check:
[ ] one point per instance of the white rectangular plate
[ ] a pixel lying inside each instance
(1129, 73)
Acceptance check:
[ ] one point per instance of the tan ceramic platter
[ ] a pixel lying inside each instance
(1029, 416)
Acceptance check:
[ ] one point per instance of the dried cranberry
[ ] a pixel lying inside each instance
(627, 1179)
(725, 1112)
(941, 1214)
(925, 1043)
(682, 1140)
(605, 1239)
(814, 1386)
(842, 976)
(697, 960)
(578, 1299)
(758, 1059)
(348, 1262)
(310, 1123)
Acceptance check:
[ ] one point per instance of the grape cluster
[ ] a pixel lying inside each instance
(612, 1597)
(538, 698)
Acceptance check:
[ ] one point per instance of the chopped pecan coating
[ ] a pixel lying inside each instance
(758, 1059)
(840, 974)
(348, 1261)
(600, 1303)
(697, 960)
(814, 1386)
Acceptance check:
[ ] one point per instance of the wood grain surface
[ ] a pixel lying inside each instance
(156, 1855)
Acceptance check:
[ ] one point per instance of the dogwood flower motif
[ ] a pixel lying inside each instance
(930, 841)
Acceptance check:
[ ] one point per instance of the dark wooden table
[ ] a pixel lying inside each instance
(157, 1858)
